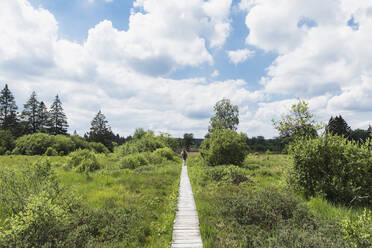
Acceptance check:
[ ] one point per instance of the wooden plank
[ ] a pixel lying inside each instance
(186, 233)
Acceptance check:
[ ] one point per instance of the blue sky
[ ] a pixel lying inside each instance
(162, 65)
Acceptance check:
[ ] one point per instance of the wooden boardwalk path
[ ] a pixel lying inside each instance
(186, 232)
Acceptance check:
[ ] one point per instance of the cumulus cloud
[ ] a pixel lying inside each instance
(239, 56)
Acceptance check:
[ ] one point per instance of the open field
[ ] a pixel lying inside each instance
(146, 197)
(252, 206)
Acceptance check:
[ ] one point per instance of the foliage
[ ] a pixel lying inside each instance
(100, 131)
(6, 141)
(133, 161)
(51, 152)
(98, 147)
(63, 144)
(358, 232)
(80, 142)
(83, 161)
(8, 110)
(165, 152)
(57, 118)
(226, 116)
(188, 139)
(30, 114)
(332, 166)
(147, 143)
(229, 174)
(338, 126)
(43, 117)
(360, 135)
(224, 147)
(33, 144)
(298, 123)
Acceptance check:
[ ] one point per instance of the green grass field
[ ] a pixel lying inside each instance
(253, 206)
(150, 192)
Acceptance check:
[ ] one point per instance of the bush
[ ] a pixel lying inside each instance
(229, 174)
(51, 152)
(166, 153)
(6, 141)
(33, 144)
(80, 142)
(224, 147)
(83, 161)
(358, 232)
(332, 166)
(63, 144)
(133, 161)
(146, 143)
(98, 147)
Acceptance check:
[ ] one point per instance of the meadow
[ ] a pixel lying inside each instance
(111, 207)
(253, 206)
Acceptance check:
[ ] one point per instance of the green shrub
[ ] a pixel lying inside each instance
(98, 147)
(146, 143)
(63, 144)
(358, 232)
(332, 166)
(83, 161)
(224, 147)
(80, 142)
(33, 144)
(230, 174)
(166, 153)
(6, 141)
(51, 152)
(133, 161)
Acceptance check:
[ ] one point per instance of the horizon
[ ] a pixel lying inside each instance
(162, 65)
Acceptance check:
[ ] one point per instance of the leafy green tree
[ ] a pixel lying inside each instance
(6, 141)
(43, 117)
(100, 131)
(188, 140)
(8, 110)
(226, 116)
(139, 133)
(57, 118)
(224, 147)
(359, 135)
(30, 114)
(299, 123)
(338, 126)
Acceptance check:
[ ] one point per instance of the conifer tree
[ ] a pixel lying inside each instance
(8, 110)
(30, 114)
(338, 126)
(100, 131)
(57, 119)
(43, 117)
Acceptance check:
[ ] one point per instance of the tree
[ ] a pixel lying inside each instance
(226, 116)
(359, 135)
(30, 115)
(338, 126)
(8, 111)
(188, 140)
(57, 118)
(298, 123)
(43, 116)
(100, 131)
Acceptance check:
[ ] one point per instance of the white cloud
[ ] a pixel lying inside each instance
(215, 73)
(239, 56)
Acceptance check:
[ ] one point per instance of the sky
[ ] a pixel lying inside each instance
(163, 64)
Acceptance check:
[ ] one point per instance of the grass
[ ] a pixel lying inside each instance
(151, 191)
(222, 206)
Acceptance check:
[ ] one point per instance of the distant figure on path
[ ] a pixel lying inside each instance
(184, 156)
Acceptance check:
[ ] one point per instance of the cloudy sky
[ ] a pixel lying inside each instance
(163, 64)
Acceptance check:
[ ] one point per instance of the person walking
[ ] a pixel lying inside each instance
(184, 156)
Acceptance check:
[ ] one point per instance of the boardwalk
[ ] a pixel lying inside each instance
(186, 232)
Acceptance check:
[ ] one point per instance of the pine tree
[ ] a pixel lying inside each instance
(43, 117)
(8, 110)
(30, 114)
(339, 126)
(100, 131)
(57, 118)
